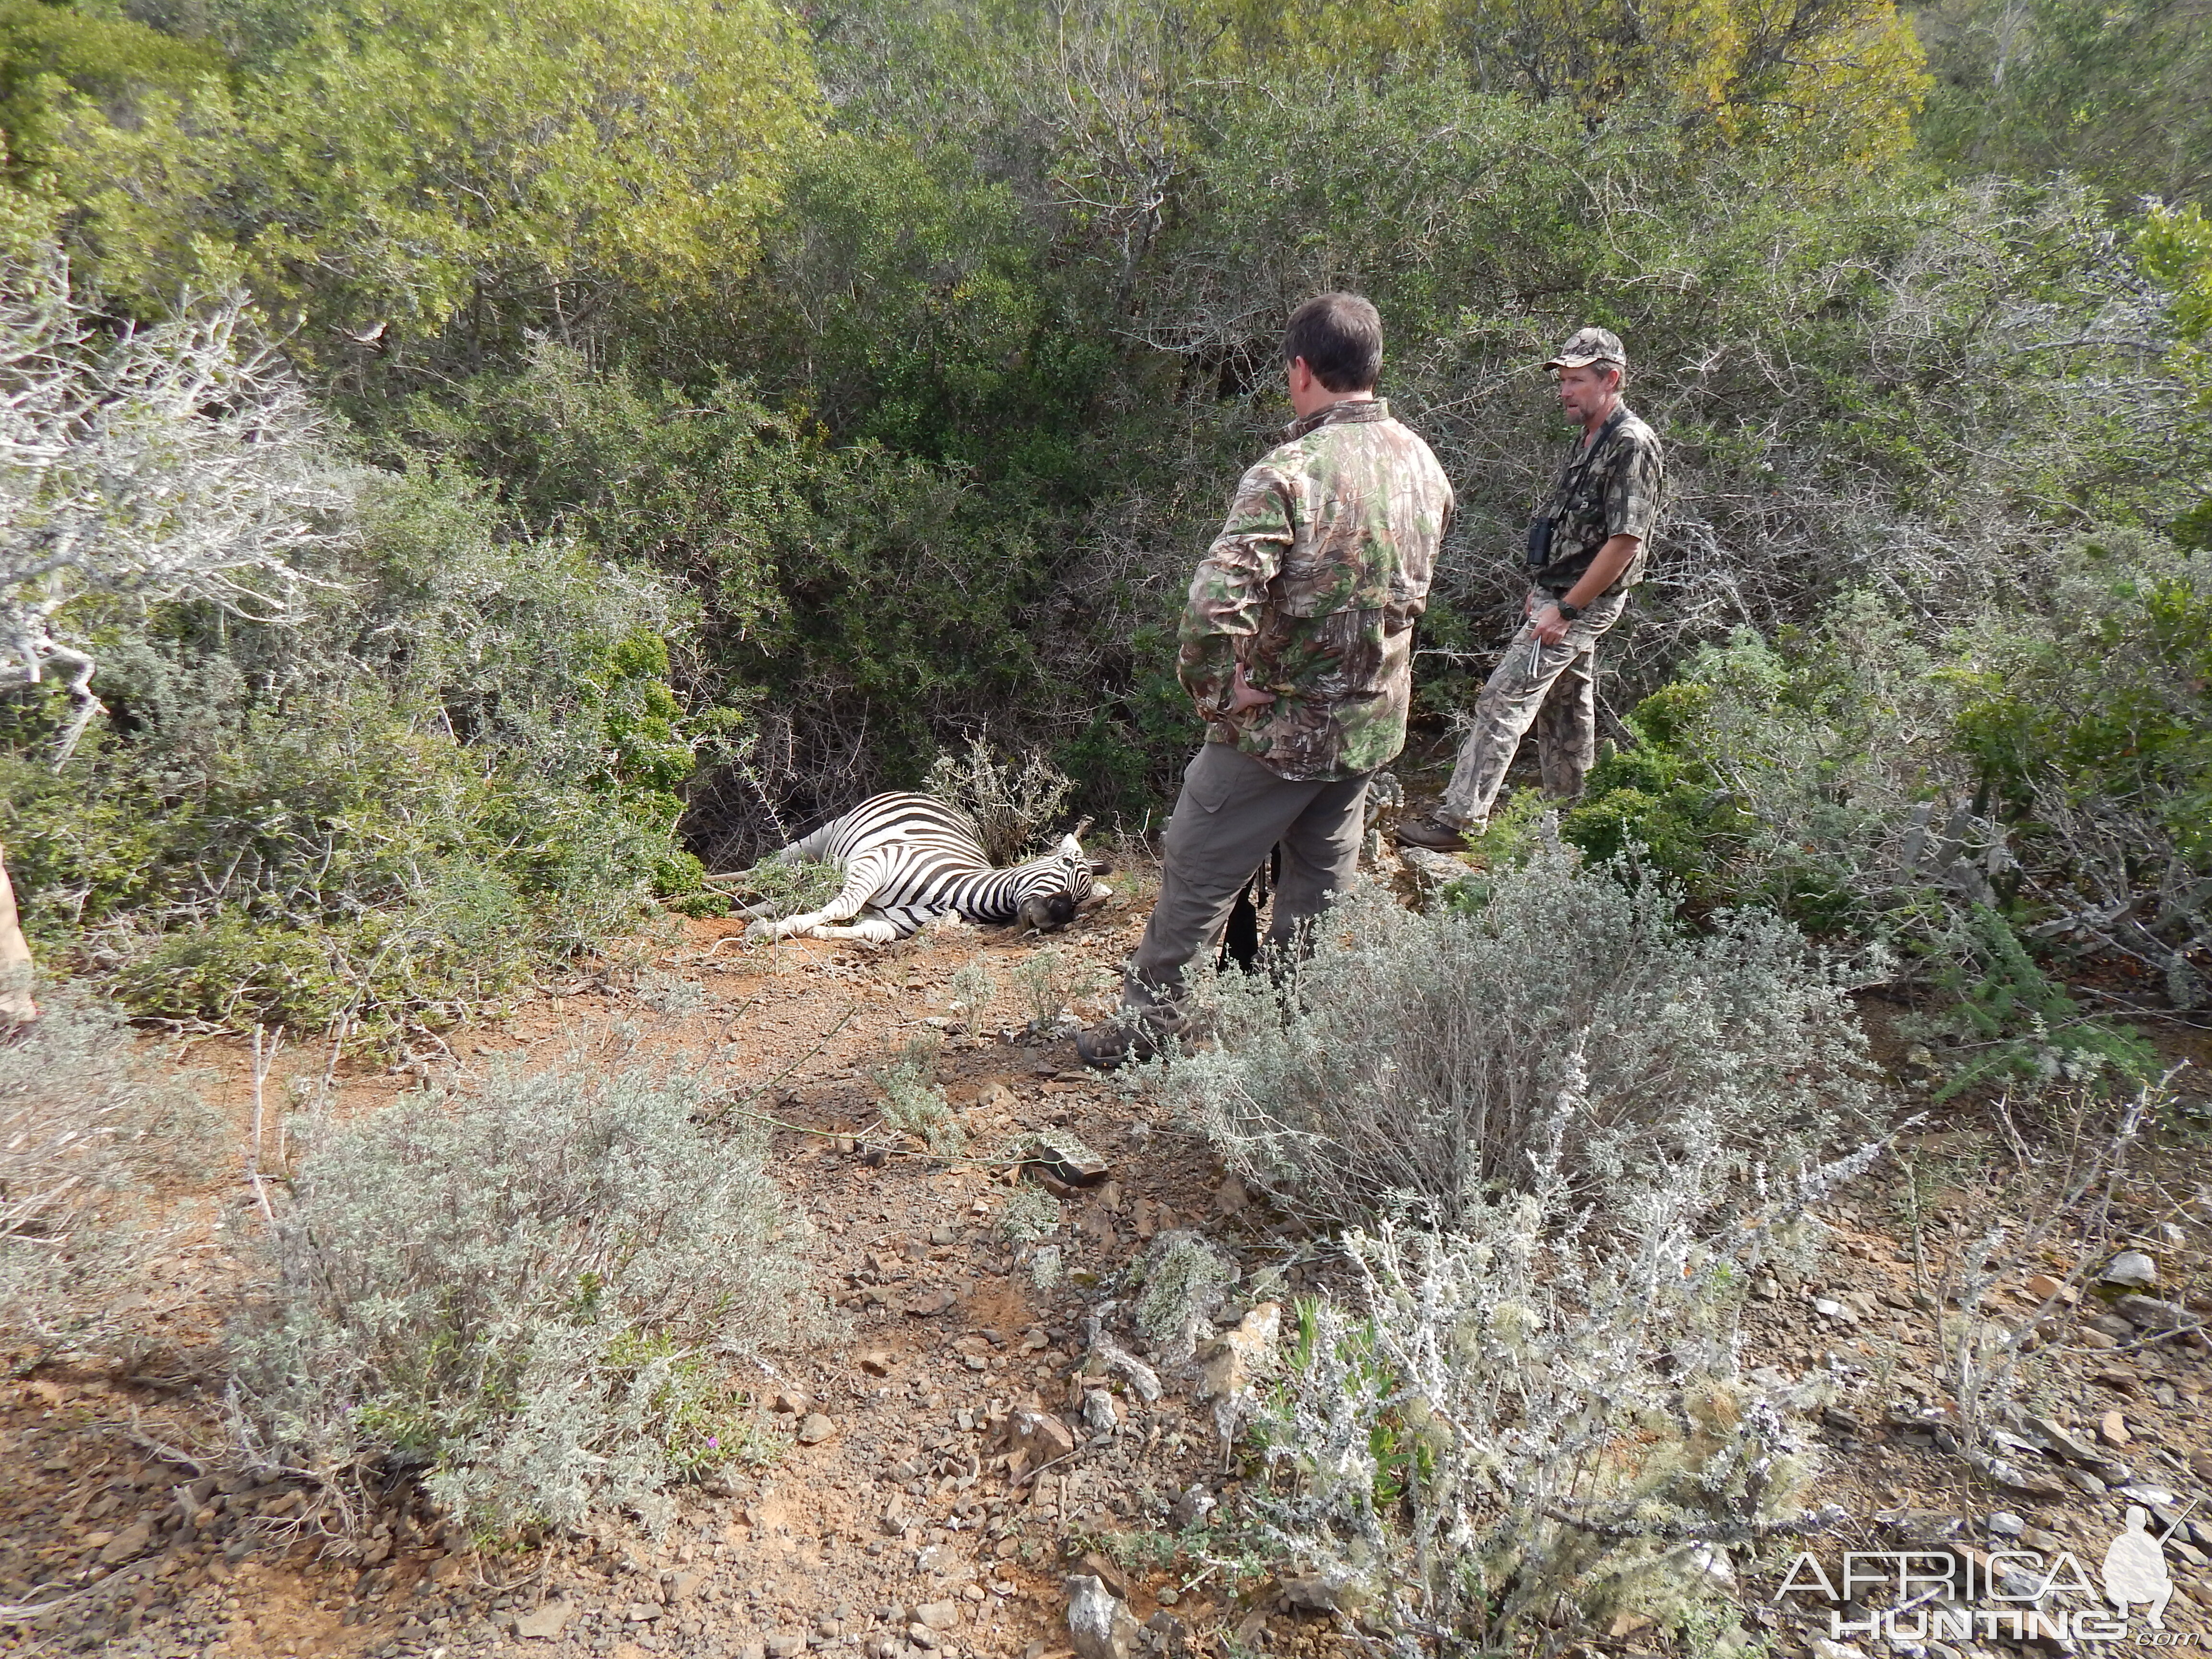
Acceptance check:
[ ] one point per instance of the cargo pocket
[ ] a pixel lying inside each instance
(1207, 781)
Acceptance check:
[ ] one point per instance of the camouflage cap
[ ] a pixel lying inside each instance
(1589, 345)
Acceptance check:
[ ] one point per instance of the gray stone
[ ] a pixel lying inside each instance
(130, 1542)
(545, 1622)
(785, 1645)
(2132, 1269)
(1043, 1437)
(2069, 1443)
(2149, 1312)
(2143, 1492)
(1098, 1625)
(1233, 1363)
(1098, 1412)
(1192, 1507)
(1062, 1154)
(815, 1429)
(1325, 1592)
(2006, 1524)
(938, 1615)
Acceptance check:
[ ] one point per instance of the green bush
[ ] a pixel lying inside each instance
(533, 1295)
(2016, 1027)
(458, 766)
(2042, 767)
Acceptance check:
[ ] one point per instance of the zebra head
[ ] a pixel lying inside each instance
(1056, 885)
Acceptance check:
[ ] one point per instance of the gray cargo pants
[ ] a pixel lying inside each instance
(1232, 809)
(1553, 689)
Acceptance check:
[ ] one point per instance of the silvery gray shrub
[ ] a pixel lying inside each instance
(87, 1123)
(1529, 1417)
(1556, 1132)
(534, 1294)
(1415, 1059)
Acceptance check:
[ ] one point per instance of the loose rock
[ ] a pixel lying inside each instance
(1099, 1626)
(1232, 1364)
(815, 1429)
(1062, 1155)
(543, 1623)
(131, 1542)
(2132, 1269)
(2149, 1312)
(2112, 1428)
(1042, 1437)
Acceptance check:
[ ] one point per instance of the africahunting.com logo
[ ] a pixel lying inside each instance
(1913, 1596)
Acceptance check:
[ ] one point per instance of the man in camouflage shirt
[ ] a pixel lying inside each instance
(1296, 645)
(1586, 549)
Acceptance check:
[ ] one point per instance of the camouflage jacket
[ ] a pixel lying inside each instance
(1313, 586)
(1610, 487)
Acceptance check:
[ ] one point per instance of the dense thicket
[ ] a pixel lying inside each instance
(733, 409)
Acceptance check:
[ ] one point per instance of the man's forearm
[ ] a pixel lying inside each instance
(1206, 665)
(1612, 559)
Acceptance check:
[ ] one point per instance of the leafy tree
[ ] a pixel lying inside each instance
(1842, 77)
(2115, 91)
(52, 55)
(2176, 248)
(396, 166)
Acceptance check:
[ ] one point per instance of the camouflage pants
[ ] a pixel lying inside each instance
(1552, 688)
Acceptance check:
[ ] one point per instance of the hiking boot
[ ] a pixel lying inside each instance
(1132, 1036)
(1437, 832)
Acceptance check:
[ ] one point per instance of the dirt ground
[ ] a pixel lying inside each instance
(901, 1518)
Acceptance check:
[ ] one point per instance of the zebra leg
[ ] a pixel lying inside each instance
(869, 930)
(862, 876)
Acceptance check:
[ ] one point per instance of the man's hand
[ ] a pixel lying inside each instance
(1243, 695)
(1548, 625)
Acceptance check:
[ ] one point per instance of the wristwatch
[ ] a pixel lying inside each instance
(1567, 612)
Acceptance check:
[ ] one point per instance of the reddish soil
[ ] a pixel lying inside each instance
(124, 1533)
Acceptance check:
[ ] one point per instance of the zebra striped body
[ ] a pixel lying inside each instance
(908, 860)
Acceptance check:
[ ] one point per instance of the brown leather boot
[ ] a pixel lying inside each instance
(1132, 1036)
(1437, 832)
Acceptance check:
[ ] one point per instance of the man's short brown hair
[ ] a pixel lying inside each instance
(1340, 337)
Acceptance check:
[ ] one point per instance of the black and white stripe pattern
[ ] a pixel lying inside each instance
(908, 860)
